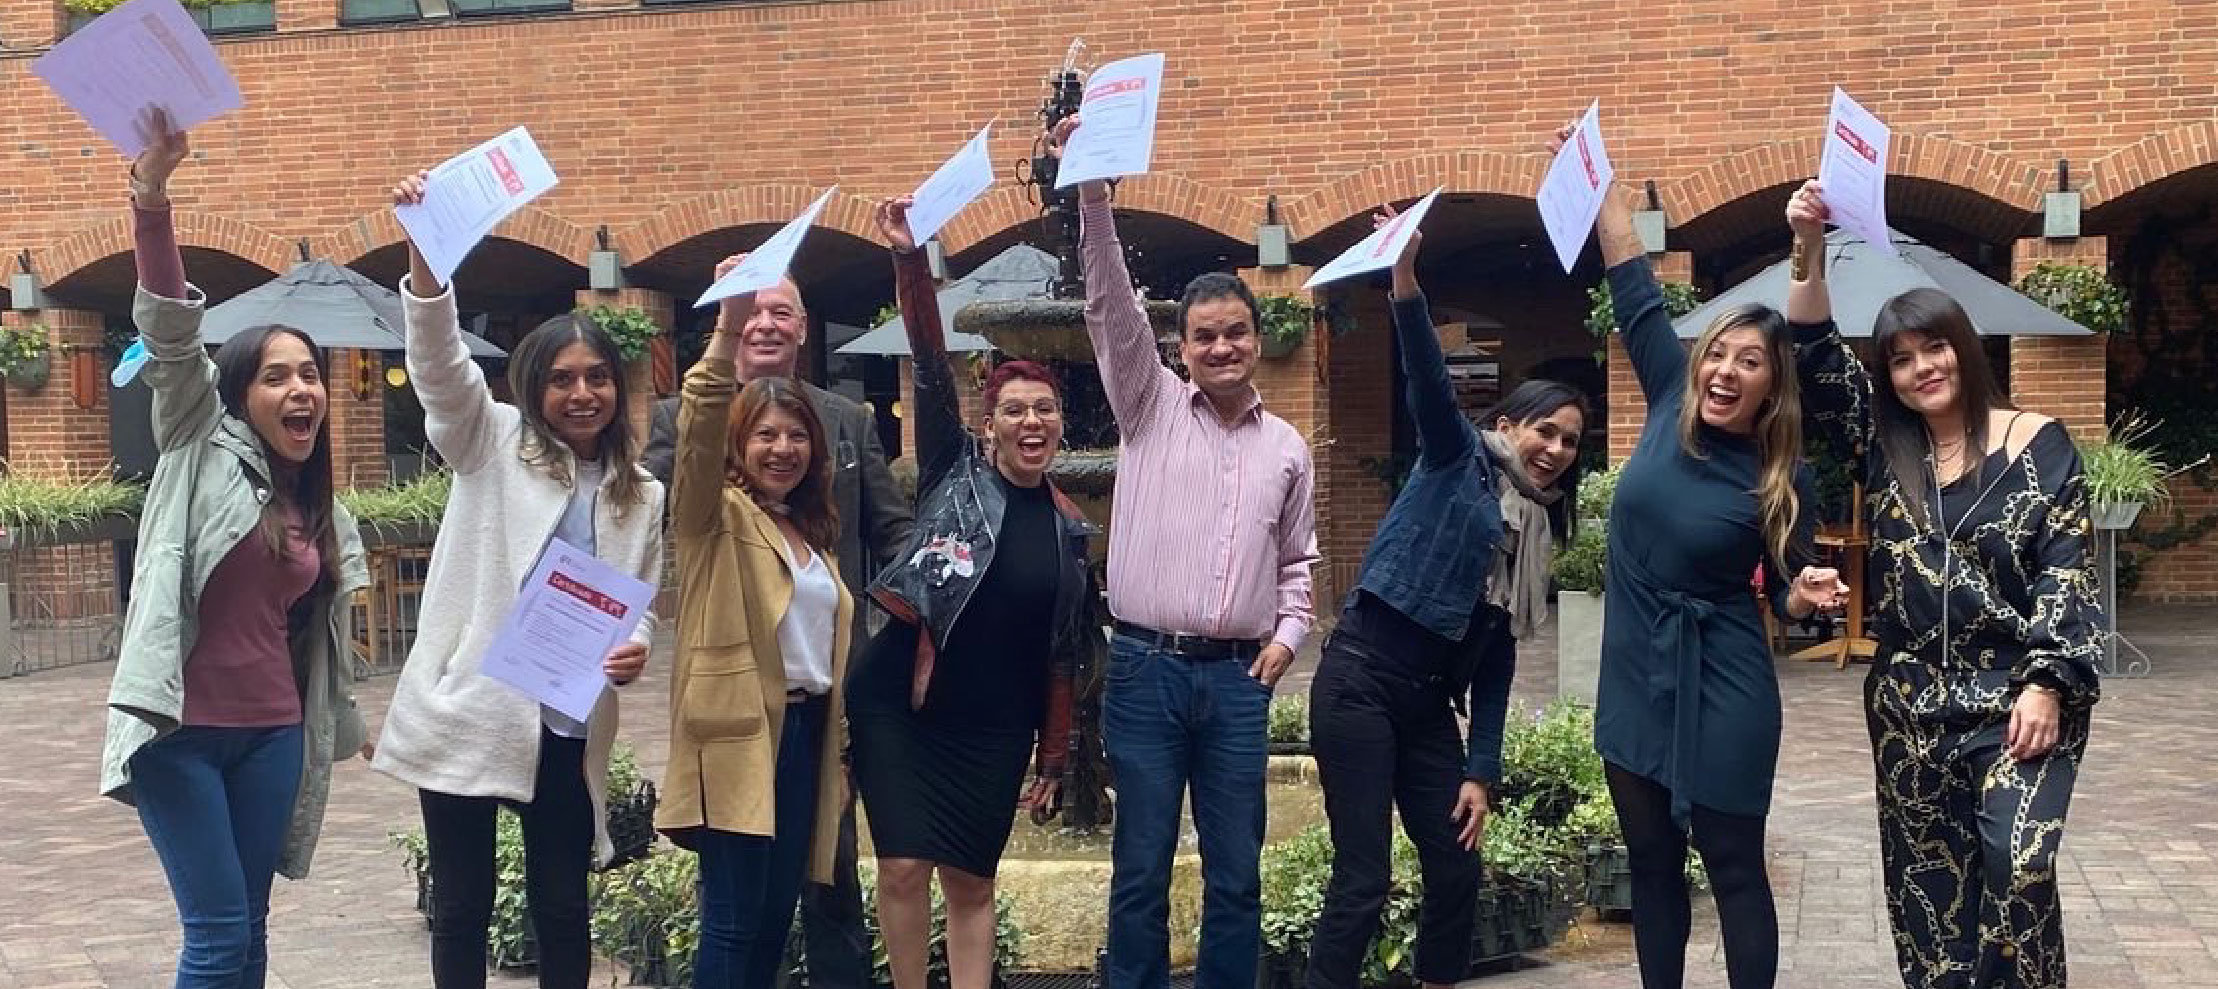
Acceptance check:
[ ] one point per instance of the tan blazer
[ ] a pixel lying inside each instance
(728, 684)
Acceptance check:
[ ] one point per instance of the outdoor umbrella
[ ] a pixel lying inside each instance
(333, 304)
(1861, 279)
(1021, 272)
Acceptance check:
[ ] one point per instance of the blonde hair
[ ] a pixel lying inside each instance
(1778, 426)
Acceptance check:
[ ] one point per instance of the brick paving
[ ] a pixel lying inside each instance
(83, 904)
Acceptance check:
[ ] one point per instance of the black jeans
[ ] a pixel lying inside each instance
(558, 852)
(838, 949)
(1732, 848)
(1386, 737)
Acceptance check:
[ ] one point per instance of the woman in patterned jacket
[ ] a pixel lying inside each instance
(1987, 619)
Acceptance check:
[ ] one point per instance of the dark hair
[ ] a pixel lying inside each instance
(529, 367)
(1778, 427)
(1008, 371)
(1903, 439)
(1213, 286)
(809, 504)
(1536, 399)
(238, 362)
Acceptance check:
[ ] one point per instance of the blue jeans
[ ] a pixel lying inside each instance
(750, 884)
(216, 803)
(1168, 721)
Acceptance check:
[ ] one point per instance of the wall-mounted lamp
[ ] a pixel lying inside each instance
(1273, 244)
(604, 269)
(24, 291)
(935, 258)
(1649, 223)
(305, 253)
(2060, 209)
(365, 375)
(85, 380)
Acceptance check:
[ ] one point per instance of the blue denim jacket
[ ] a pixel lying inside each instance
(1433, 553)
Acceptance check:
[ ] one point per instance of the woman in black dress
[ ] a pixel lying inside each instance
(992, 601)
(1986, 613)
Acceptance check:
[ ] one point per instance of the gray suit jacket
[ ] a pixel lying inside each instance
(874, 519)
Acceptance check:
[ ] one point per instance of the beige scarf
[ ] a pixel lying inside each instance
(1519, 584)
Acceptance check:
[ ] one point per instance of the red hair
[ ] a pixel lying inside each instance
(1008, 371)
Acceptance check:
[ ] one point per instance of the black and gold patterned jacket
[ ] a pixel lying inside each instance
(2023, 602)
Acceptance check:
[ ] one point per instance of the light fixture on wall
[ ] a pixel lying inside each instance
(1274, 247)
(24, 291)
(935, 258)
(604, 270)
(2060, 209)
(1650, 223)
(365, 376)
(85, 379)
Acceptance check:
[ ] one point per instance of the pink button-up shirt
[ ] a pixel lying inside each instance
(1211, 531)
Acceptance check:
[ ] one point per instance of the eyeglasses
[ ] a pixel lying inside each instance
(1047, 411)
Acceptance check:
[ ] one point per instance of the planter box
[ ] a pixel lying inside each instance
(1578, 644)
(2114, 514)
(382, 535)
(1514, 916)
(631, 825)
(114, 528)
(1290, 748)
(1609, 880)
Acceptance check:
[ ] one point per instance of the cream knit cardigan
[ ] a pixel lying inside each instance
(450, 728)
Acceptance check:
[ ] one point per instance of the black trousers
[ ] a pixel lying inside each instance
(558, 852)
(1732, 848)
(1968, 837)
(1386, 738)
(838, 949)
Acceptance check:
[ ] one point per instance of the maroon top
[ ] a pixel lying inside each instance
(240, 672)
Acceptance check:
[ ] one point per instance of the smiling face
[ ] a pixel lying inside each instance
(1923, 369)
(1547, 445)
(1026, 424)
(579, 400)
(777, 453)
(286, 401)
(770, 343)
(1733, 378)
(1219, 346)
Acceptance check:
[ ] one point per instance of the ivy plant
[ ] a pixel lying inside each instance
(2078, 293)
(629, 327)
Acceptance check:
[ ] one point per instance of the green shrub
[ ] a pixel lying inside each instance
(1289, 720)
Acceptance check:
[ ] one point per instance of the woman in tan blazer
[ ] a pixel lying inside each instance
(754, 782)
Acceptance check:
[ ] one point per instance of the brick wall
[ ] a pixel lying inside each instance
(48, 433)
(357, 418)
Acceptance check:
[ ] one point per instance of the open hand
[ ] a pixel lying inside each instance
(1470, 811)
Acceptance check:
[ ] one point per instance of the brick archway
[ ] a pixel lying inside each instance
(358, 238)
(772, 204)
(1943, 160)
(1490, 172)
(2149, 161)
(212, 231)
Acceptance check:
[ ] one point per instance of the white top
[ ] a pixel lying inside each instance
(805, 630)
(576, 528)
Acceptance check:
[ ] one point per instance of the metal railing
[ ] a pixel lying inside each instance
(61, 599)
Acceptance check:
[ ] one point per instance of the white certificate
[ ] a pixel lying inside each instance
(1577, 183)
(469, 195)
(572, 613)
(1381, 249)
(957, 184)
(768, 263)
(146, 53)
(1117, 133)
(1853, 170)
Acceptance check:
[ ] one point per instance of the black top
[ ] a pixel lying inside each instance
(993, 671)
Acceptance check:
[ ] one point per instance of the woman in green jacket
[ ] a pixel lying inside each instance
(231, 698)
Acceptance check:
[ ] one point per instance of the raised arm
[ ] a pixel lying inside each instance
(1132, 372)
(167, 311)
(704, 419)
(461, 419)
(1836, 388)
(1444, 436)
(940, 436)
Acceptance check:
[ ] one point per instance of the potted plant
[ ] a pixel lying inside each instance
(2077, 292)
(1680, 299)
(630, 328)
(1287, 728)
(26, 356)
(2123, 473)
(1286, 323)
(403, 514)
(38, 508)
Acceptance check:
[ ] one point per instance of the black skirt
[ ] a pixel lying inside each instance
(934, 792)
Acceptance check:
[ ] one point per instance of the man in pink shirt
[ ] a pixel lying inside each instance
(1210, 541)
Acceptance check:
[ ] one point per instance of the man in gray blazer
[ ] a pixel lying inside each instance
(874, 521)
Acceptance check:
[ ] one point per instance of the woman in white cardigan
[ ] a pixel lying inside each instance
(559, 463)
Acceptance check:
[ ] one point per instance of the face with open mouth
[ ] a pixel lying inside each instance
(770, 343)
(1922, 367)
(1026, 423)
(580, 398)
(287, 402)
(1547, 445)
(777, 454)
(1219, 345)
(1733, 380)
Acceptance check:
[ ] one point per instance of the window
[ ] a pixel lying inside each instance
(236, 16)
(378, 11)
(480, 8)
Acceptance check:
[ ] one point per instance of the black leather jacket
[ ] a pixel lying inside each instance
(958, 519)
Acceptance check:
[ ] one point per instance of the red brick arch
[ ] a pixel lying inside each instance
(1489, 172)
(771, 204)
(1945, 160)
(1006, 207)
(2150, 160)
(355, 239)
(212, 231)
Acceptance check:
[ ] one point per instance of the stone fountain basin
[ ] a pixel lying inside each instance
(1058, 881)
(1047, 329)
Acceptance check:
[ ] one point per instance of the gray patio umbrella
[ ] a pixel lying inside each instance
(1861, 279)
(1021, 272)
(335, 305)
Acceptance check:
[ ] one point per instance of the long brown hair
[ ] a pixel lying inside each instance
(529, 367)
(809, 504)
(1903, 438)
(1778, 427)
(238, 361)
